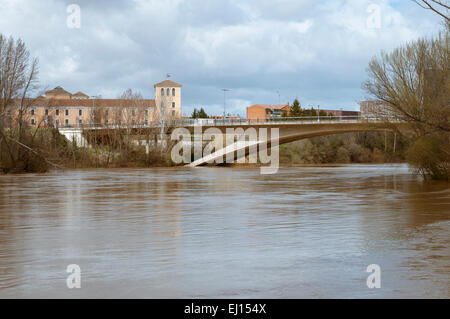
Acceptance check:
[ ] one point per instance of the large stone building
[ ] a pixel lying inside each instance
(61, 108)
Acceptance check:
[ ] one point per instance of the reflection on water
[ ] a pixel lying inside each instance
(225, 232)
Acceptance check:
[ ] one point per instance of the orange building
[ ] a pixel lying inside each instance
(266, 112)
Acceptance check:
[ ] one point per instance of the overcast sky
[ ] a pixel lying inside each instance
(317, 51)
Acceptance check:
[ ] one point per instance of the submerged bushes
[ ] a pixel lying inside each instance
(42, 149)
(428, 154)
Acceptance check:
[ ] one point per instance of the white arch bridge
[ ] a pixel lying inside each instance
(243, 143)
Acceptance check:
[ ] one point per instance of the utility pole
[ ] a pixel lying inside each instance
(395, 139)
(385, 141)
(93, 108)
(162, 124)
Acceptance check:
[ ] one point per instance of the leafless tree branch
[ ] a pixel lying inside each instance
(437, 8)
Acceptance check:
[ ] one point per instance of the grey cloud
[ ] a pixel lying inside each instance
(317, 51)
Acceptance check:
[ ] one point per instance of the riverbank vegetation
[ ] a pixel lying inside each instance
(412, 85)
(25, 149)
(18, 76)
(42, 149)
(363, 147)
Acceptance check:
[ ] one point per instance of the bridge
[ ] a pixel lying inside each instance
(289, 130)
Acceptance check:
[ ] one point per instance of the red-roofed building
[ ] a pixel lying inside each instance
(61, 108)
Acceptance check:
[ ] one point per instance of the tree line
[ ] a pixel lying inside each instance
(296, 111)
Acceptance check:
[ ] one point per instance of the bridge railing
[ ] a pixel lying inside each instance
(280, 120)
(235, 122)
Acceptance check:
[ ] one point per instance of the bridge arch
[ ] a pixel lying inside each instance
(290, 133)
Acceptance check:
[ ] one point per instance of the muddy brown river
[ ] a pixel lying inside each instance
(305, 232)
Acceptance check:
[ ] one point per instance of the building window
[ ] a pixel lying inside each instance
(80, 121)
(57, 122)
(162, 92)
(32, 111)
(66, 121)
(146, 122)
(46, 111)
(173, 113)
(173, 92)
(33, 121)
(67, 112)
(168, 91)
(146, 112)
(173, 104)
(106, 112)
(133, 112)
(57, 112)
(80, 112)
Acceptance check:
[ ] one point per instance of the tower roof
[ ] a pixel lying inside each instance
(168, 83)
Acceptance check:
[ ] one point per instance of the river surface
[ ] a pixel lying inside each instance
(305, 232)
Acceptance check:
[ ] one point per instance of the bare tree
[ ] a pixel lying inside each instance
(413, 84)
(133, 109)
(438, 7)
(18, 72)
(18, 77)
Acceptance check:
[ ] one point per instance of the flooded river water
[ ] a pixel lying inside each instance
(225, 232)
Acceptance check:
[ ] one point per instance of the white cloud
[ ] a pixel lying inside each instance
(259, 46)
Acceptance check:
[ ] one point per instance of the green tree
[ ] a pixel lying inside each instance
(295, 109)
(194, 114)
(202, 114)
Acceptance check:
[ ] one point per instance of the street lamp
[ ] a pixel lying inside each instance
(224, 101)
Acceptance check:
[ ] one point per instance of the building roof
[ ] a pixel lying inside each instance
(271, 107)
(87, 102)
(58, 91)
(168, 83)
(79, 93)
